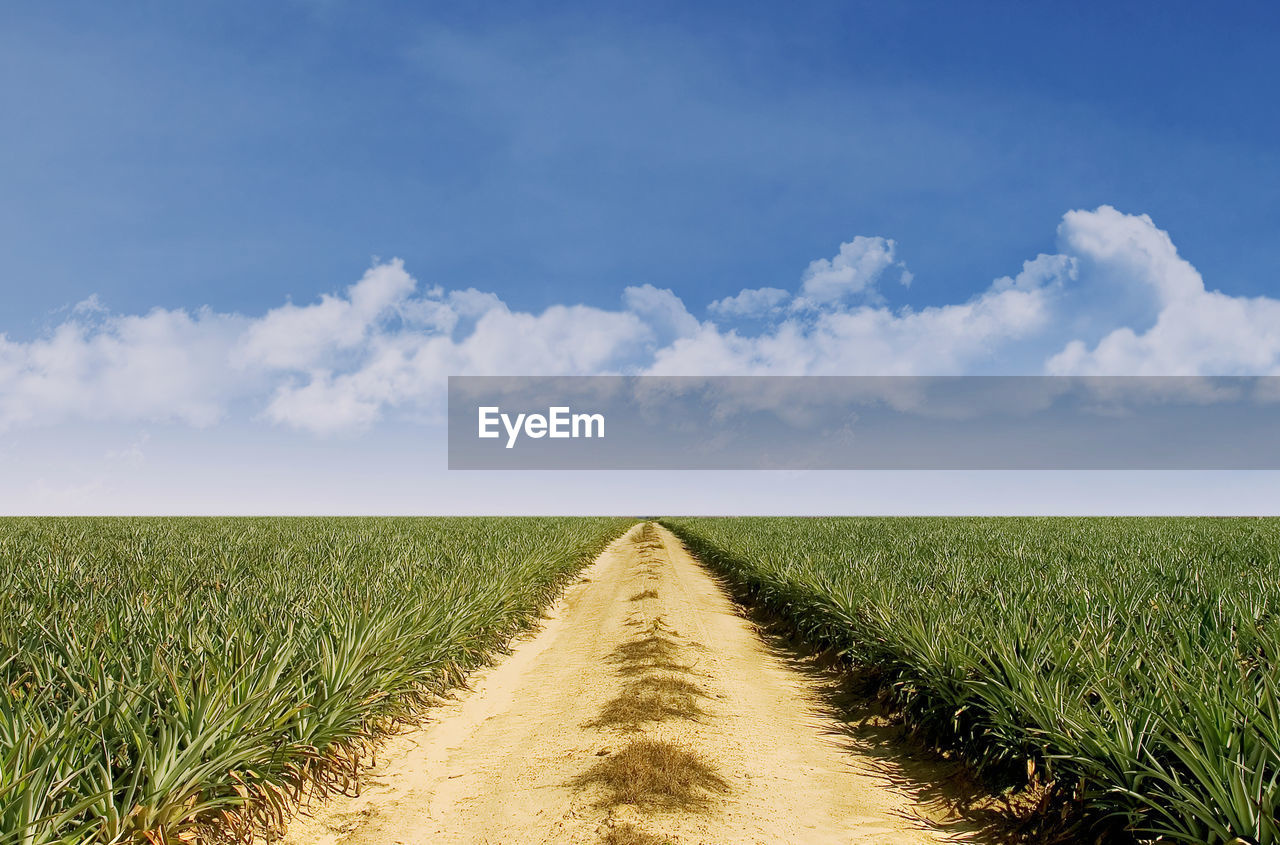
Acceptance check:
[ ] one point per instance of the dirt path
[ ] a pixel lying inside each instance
(644, 711)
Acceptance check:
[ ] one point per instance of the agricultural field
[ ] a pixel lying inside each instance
(191, 680)
(161, 678)
(1126, 669)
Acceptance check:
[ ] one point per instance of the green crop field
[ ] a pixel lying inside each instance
(164, 679)
(162, 676)
(1129, 664)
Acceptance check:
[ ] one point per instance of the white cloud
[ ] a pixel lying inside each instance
(662, 310)
(325, 406)
(1116, 299)
(91, 304)
(854, 270)
(1130, 250)
(875, 340)
(867, 340)
(408, 369)
(167, 366)
(1192, 331)
(293, 337)
(752, 302)
(1205, 334)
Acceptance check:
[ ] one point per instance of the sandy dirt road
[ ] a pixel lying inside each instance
(645, 710)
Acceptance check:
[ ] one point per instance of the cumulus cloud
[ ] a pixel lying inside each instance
(1129, 250)
(873, 339)
(408, 369)
(853, 271)
(293, 337)
(166, 365)
(662, 311)
(867, 341)
(325, 405)
(1116, 299)
(1192, 330)
(750, 303)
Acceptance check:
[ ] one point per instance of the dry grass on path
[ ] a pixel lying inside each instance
(651, 773)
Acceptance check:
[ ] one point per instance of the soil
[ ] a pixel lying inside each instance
(645, 709)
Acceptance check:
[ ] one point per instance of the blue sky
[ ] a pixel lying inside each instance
(237, 157)
(235, 154)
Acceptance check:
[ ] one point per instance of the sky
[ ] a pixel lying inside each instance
(243, 245)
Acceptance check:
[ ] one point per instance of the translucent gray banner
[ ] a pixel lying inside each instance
(863, 422)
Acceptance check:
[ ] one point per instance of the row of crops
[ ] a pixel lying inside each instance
(163, 679)
(1129, 663)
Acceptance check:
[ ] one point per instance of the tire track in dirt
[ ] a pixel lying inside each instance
(646, 710)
